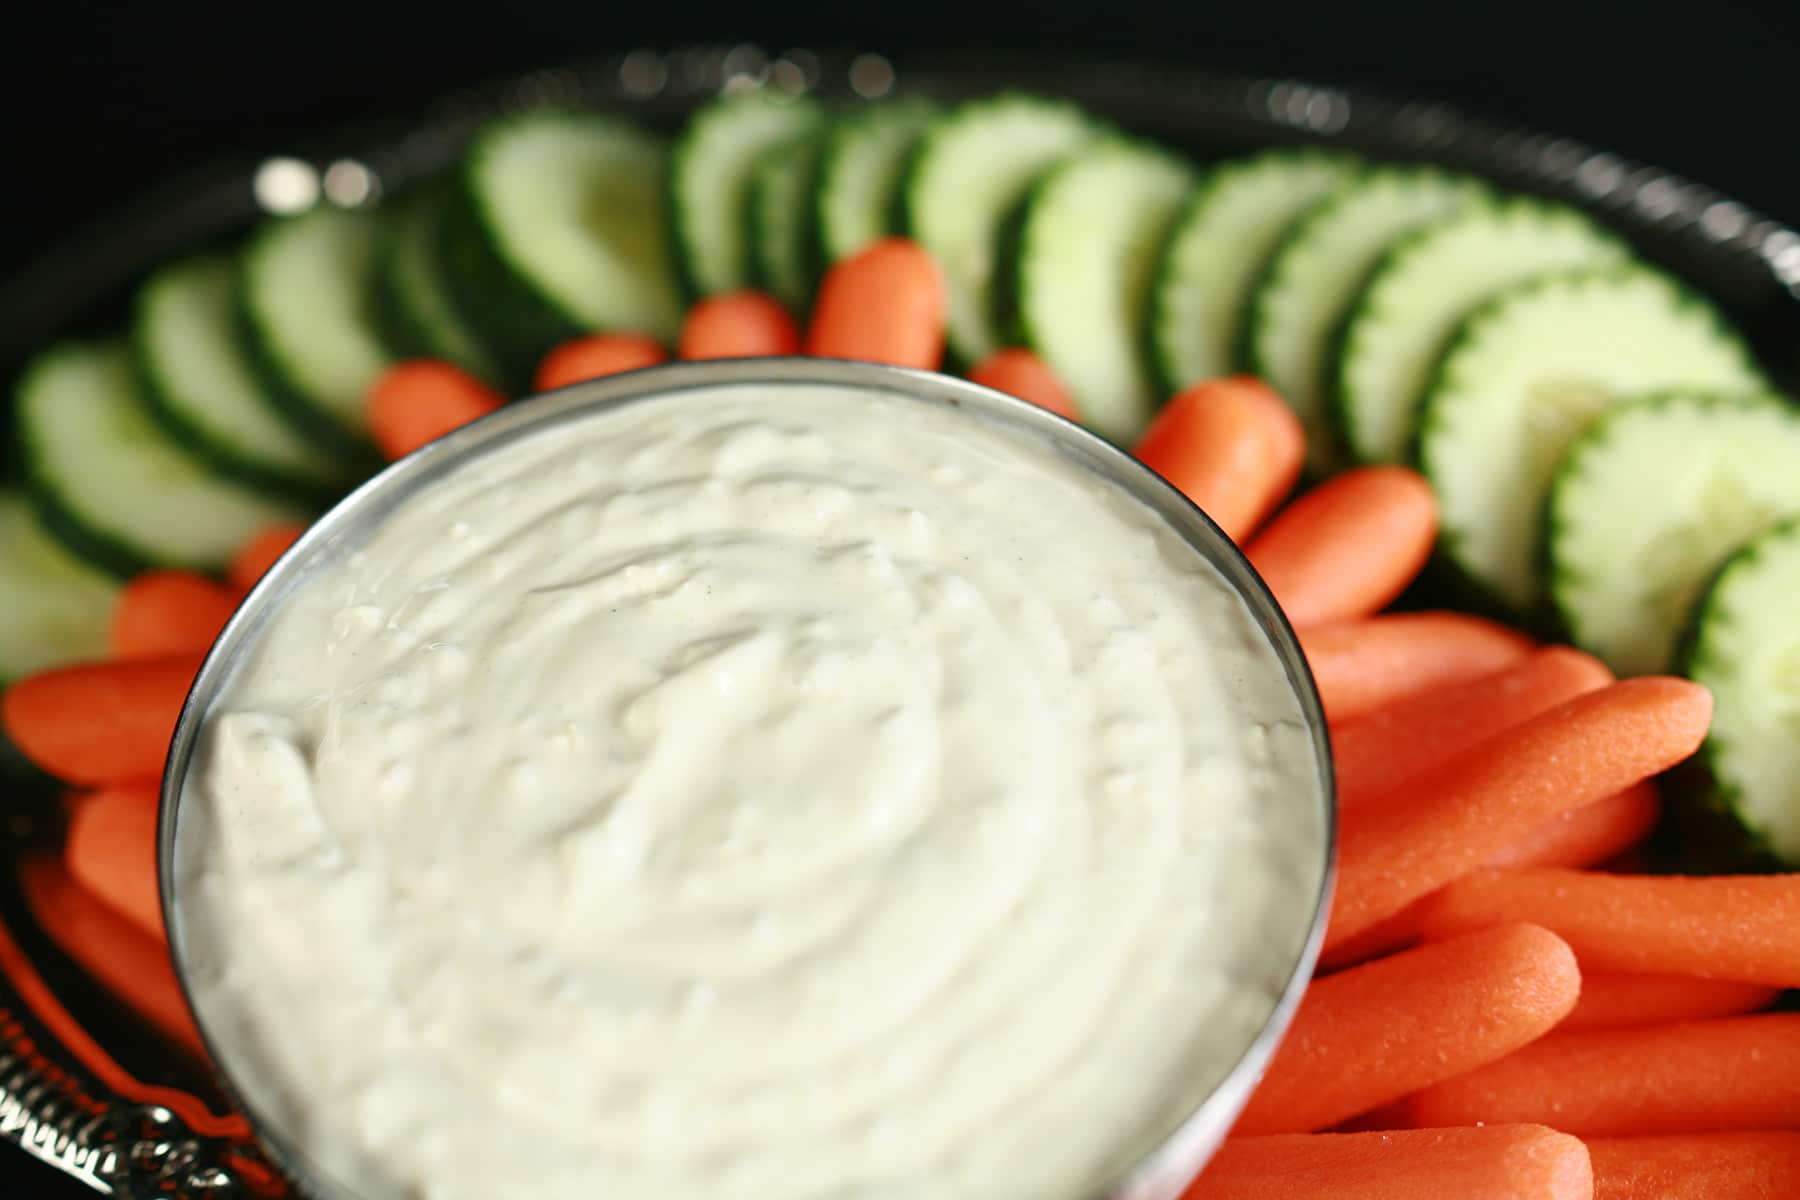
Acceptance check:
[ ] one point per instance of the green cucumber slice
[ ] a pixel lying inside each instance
(202, 384)
(1647, 504)
(1087, 251)
(1525, 373)
(54, 608)
(1217, 249)
(1745, 647)
(1299, 302)
(308, 302)
(860, 170)
(414, 296)
(970, 173)
(782, 252)
(111, 485)
(1425, 284)
(710, 178)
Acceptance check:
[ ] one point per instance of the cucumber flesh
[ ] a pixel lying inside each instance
(111, 484)
(1406, 313)
(1216, 250)
(1746, 649)
(1302, 297)
(54, 608)
(710, 175)
(308, 298)
(1087, 252)
(971, 171)
(780, 234)
(860, 170)
(1649, 502)
(415, 297)
(1525, 373)
(202, 383)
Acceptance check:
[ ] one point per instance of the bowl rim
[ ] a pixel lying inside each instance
(1178, 1154)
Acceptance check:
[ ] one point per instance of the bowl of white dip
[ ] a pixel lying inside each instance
(780, 779)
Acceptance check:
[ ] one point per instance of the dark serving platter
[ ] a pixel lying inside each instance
(53, 1103)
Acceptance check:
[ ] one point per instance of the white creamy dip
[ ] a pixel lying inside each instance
(758, 793)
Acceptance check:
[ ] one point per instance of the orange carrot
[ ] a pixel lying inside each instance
(418, 401)
(111, 851)
(100, 723)
(1742, 927)
(170, 612)
(1349, 546)
(594, 356)
(1362, 665)
(1231, 445)
(1756, 1165)
(1684, 1077)
(1380, 750)
(1373, 1034)
(256, 556)
(1499, 1162)
(744, 324)
(1612, 999)
(1447, 822)
(885, 303)
(1019, 372)
(126, 961)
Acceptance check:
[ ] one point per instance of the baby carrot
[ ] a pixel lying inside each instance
(170, 612)
(1447, 822)
(1611, 999)
(886, 303)
(1021, 373)
(1759, 1164)
(1498, 1162)
(1684, 1077)
(125, 960)
(256, 556)
(100, 723)
(1740, 927)
(111, 851)
(1360, 666)
(1349, 546)
(1380, 750)
(1375, 1033)
(746, 324)
(416, 402)
(1231, 445)
(595, 355)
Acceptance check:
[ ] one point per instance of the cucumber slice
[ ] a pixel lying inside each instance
(1427, 282)
(560, 227)
(111, 485)
(710, 176)
(1087, 250)
(1529, 370)
(1646, 505)
(782, 252)
(54, 608)
(971, 171)
(414, 297)
(202, 384)
(1299, 302)
(308, 300)
(1745, 647)
(860, 170)
(1216, 250)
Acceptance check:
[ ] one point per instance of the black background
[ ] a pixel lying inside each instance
(102, 102)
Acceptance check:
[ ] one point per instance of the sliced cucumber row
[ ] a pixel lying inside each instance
(1745, 647)
(1217, 249)
(414, 296)
(111, 484)
(1087, 249)
(1425, 284)
(1525, 374)
(54, 608)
